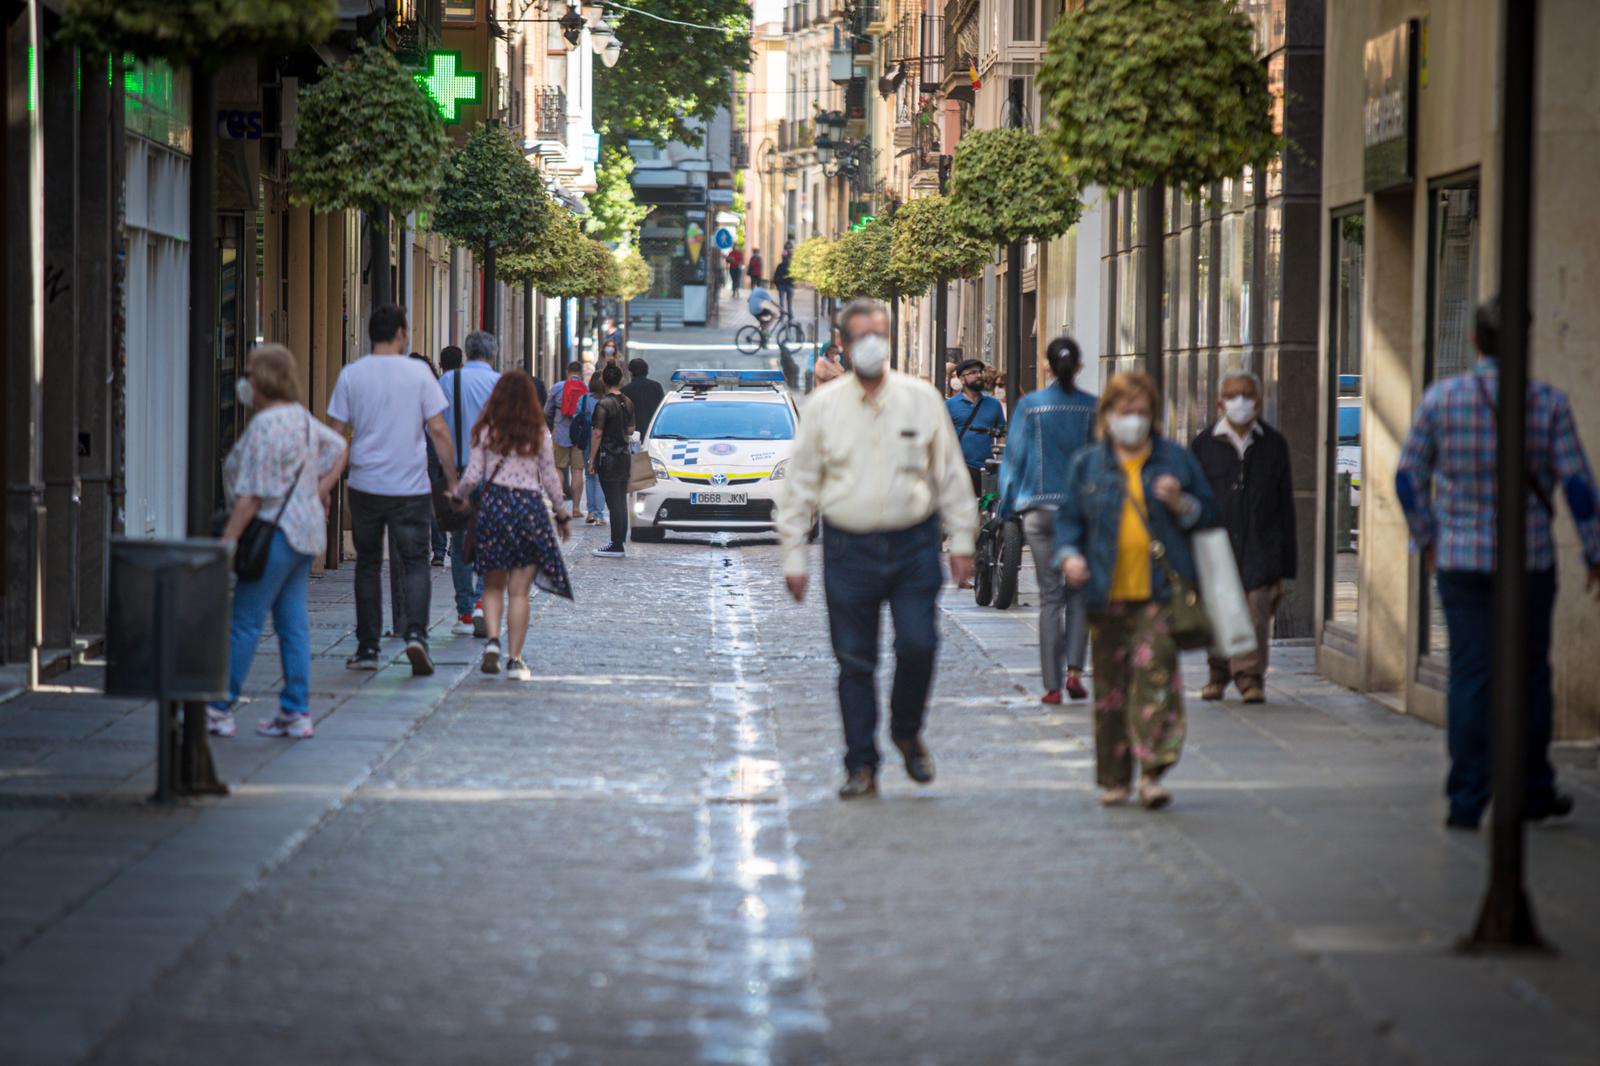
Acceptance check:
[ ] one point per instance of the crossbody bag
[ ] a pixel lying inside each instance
(469, 546)
(255, 542)
(1534, 487)
(447, 518)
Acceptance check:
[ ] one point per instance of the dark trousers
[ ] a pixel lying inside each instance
(862, 571)
(1468, 612)
(406, 519)
(786, 298)
(616, 491)
(733, 275)
(976, 474)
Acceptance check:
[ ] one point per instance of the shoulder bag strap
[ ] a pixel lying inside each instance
(973, 417)
(460, 463)
(1534, 487)
(295, 481)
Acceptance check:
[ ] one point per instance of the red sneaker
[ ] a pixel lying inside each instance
(1075, 687)
(1051, 697)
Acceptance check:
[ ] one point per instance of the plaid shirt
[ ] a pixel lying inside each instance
(1450, 453)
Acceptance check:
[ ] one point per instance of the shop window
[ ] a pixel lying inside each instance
(1452, 308)
(1343, 503)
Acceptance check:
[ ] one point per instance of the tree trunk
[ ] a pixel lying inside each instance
(196, 774)
(378, 268)
(490, 319)
(566, 342)
(527, 329)
(1150, 211)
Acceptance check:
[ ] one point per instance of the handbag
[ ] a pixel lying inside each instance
(642, 475)
(1187, 621)
(469, 546)
(255, 543)
(447, 518)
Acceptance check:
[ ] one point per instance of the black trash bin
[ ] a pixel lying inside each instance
(168, 620)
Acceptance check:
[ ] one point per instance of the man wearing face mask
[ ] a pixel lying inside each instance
(877, 458)
(976, 417)
(1246, 462)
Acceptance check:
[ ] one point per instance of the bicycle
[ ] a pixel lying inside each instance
(788, 333)
(997, 559)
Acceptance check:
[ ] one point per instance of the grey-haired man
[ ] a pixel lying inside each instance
(466, 391)
(1247, 463)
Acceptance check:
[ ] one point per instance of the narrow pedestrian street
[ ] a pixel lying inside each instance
(638, 857)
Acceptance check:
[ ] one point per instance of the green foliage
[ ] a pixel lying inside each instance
(632, 276)
(858, 265)
(491, 193)
(927, 246)
(553, 264)
(369, 138)
(614, 215)
(808, 263)
(205, 31)
(1139, 91)
(1004, 188)
(670, 75)
(598, 272)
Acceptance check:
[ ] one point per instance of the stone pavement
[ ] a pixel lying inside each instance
(638, 858)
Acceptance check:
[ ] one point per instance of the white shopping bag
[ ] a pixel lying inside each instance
(1232, 632)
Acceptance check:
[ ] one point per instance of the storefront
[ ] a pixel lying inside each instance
(1409, 223)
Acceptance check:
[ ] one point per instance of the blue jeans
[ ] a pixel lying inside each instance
(439, 539)
(1469, 613)
(282, 590)
(468, 585)
(595, 493)
(862, 571)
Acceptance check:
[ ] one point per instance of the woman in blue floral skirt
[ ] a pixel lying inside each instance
(518, 529)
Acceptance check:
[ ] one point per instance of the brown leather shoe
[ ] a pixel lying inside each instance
(1252, 692)
(859, 784)
(1213, 690)
(919, 763)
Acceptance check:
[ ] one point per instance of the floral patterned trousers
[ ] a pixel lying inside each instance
(1138, 695)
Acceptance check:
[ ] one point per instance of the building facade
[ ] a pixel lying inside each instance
(1409, 237)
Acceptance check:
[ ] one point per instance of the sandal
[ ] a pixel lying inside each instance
(1152, 796)
(1113, 797)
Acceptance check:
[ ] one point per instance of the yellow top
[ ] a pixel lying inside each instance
(1130, 581)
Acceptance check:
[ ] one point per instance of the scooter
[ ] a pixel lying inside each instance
(997, 559)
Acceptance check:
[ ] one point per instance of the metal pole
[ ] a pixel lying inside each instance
(1154, 219)
(1506, 919)
(1014, 284)
(941, 298)
(196, 773)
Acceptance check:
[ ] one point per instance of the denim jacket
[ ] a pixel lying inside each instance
(1048, 429)
(1090, 517)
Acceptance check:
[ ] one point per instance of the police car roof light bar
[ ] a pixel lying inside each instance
(727, 378)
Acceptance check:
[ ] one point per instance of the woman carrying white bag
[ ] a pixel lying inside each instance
(1246, 463)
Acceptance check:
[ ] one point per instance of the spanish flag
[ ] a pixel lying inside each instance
(972, 72)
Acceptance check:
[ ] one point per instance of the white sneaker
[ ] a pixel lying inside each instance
(220, 723)
(517, 670)
(479, 628)
(464, 626)
(491, 657)
(297, 726)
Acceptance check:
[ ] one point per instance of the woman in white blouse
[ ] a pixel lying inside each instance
(517, 525)
(284, 452)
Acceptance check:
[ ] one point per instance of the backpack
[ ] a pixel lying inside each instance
(583, 423)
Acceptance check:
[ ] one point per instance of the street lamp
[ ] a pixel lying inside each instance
(571, 25)
(611, 53)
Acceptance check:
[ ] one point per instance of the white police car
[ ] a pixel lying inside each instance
(719, 445)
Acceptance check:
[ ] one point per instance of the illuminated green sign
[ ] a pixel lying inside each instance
(865, 221)
(450, 87)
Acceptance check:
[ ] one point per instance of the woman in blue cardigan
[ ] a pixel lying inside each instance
(1133, 495)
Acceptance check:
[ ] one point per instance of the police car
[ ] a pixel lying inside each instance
(719, 445)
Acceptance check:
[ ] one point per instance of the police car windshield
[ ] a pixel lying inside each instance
(731, 420)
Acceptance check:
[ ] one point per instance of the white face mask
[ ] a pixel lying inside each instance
(869, 354)
(246, 392)
(1240, 409)
(1130, 431)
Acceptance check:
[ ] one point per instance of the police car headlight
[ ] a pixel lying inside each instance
(780, 471)
(660, 469)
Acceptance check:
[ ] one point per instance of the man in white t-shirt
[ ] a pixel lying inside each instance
(388, 402)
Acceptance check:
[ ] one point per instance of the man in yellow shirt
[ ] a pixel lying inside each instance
(877, 458)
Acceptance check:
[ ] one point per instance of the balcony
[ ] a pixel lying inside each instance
(550, 112)
(415, 29)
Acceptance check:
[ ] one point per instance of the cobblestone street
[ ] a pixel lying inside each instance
(638, 857)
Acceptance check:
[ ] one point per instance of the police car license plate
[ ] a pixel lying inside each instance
(724, 499)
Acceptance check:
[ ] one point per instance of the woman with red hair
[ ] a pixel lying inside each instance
(518, 515)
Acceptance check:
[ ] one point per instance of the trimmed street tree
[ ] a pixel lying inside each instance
(493, 201)
(1005, 188)
(614, 214)
(370, 140)
(1144, 91)
(927, 246)
(1139, 94)
(199, 34)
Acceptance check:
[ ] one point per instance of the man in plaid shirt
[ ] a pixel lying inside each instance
(1446, 485)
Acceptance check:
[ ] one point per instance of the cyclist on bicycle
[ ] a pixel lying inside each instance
(764, 306)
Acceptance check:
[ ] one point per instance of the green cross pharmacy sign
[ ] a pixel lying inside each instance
(450, 87)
